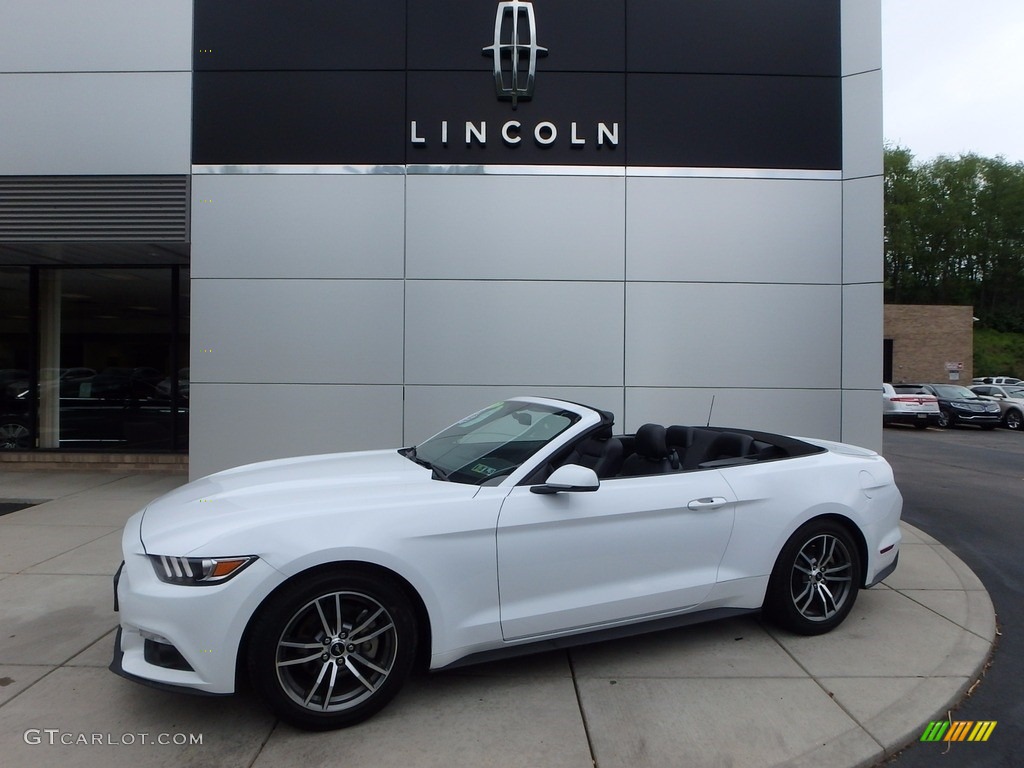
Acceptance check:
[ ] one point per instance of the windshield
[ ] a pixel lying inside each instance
(954, 392)
(493, 442)
(1015, 392)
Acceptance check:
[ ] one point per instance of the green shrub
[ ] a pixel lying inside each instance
(998, 353)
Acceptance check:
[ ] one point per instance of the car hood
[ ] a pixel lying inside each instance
(254, 495)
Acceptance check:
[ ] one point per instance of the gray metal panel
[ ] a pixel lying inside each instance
(861, 35)
(93, 208)
(514, 333)
(516, 227)
(716, 335)
(95, 123)
(297, 331)
(863, 212)
(734, 230)
(326, 226)
(97, 36)
(788, 411)
(862, 336)
(862, 125)
(234, 424)
(862, 417)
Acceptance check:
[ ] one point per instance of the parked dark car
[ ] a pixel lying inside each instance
(958, 405)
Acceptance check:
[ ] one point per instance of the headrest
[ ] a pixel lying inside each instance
(650, 441)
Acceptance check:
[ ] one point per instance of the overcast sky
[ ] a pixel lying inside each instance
(953, 77)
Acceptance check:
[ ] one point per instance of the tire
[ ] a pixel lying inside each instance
(815, 580)
(946, 419)
(330, 651)
(1013, 420)
(14, 436)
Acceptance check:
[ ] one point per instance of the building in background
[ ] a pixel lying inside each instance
(374, 220)
(928, 344)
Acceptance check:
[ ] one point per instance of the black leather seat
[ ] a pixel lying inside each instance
(601, 453)
(651, 455)
(679, 438)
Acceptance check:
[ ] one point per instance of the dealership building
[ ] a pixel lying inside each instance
(259, 228)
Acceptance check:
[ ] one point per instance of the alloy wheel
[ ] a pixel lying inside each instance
(822, 578)
(336, 651)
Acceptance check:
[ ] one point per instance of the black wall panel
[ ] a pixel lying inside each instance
(305, 118)
(734, 121)
(751, 37)
(708, 83)
(299, 34)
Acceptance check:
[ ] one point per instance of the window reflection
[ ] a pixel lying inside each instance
(113, 365)
(15, 356)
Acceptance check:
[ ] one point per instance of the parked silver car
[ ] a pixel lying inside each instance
(1010, 400)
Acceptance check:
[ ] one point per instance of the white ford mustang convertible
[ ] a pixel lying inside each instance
(527, 525)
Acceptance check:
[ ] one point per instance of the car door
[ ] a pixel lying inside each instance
(635, 547)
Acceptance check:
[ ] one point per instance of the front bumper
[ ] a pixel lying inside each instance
(182, 637)
(117, 667)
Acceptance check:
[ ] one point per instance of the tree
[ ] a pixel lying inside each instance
(954, 234)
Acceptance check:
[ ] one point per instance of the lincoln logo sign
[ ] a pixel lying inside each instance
(515, 53)
(515, 41)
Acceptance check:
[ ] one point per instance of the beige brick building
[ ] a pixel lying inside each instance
(928, 344)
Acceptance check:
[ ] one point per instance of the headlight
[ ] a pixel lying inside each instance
(961, 406)
(198, 571)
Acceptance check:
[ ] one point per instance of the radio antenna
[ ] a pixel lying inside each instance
(710, 410)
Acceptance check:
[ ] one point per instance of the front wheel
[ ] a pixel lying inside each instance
(815, 580)
(1013, 420)
(332, 650)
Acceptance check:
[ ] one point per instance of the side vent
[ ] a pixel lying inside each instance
(36, 209)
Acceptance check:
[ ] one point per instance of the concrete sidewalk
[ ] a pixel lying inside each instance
(734, 693)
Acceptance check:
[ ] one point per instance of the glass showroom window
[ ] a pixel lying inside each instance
(15, 357)
(110, 362)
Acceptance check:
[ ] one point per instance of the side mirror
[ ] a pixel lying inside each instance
(570, 478)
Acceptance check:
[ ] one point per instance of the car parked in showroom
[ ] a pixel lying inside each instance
(909, 405)
(959, 406)
(1010, 400)
(526, 525)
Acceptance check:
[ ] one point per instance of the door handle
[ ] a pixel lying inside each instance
(708, 502)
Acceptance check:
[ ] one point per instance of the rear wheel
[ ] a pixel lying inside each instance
(815, 580)
(332, 650)
(946, 419)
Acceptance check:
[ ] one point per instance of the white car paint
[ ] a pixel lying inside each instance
(495, 565)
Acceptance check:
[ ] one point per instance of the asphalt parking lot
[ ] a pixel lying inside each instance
(966, 488)
(736, 692)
